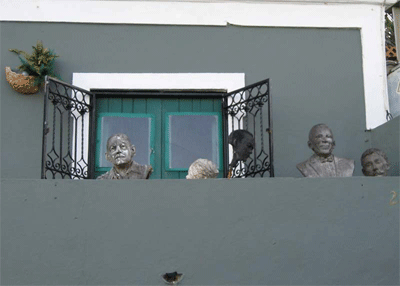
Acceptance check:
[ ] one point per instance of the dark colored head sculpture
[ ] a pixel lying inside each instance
(374, 163)
(242, 142)
(120, 150)
(320, 140)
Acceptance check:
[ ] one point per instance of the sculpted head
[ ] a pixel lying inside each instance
(320, 140)
(202, 169)
(120, 150)
(242, 142)
(374, 163)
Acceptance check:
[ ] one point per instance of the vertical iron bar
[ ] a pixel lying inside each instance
(45, 129)
(255, 139)
(69, 118)
(82, 143)
(61, 139)
(92, 138)
(262, 137)
(75, 141)
(225, 136)
(261, 129)
(54, 135)
(270, 133)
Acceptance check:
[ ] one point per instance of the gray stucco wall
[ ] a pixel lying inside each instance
(316, 76)
(386, 137)
(276, 231)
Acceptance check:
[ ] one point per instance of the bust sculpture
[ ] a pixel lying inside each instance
(202, 169)
(120, 152)
(375, 163)
(323, 163)
(242, 142)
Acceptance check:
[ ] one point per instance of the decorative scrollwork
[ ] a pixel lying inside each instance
(71, 105)
(244, 109)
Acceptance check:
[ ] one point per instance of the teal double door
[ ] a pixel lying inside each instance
(168, 133)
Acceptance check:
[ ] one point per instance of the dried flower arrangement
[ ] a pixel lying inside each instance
(34, 68)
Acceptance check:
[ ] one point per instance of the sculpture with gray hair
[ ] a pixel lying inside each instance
(374, 163)
(323, 163)
(202, 169)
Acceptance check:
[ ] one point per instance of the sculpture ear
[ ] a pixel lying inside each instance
(108, 158)
(234, 142)
(133, 148)
(309, 145)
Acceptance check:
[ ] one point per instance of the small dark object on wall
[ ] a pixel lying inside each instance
(172, 278)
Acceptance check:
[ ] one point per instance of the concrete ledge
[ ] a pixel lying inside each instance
(215, 232)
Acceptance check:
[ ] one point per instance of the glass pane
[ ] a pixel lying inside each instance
(138, 131)
(192, 137)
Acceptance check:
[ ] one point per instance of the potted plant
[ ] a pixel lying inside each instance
(33, 69)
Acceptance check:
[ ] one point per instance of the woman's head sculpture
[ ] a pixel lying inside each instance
(202, 169)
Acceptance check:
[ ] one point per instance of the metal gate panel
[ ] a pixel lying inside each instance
(68, 126)
(249, 108)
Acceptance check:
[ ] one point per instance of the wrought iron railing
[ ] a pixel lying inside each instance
(68, 126)
(69, 130)
(245, 109)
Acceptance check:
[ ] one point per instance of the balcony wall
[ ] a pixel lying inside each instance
(277, 231)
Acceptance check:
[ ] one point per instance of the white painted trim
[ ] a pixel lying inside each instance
(226, 81)
(264, 13)
(366, 15)
(188, 81)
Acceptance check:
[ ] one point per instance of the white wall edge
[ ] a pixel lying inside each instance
(226, 81)
(269, 13)
(365, 15)
(188, 81)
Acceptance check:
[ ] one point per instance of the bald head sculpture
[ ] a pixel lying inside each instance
(120, 152)
(320, 140)
(323, 163)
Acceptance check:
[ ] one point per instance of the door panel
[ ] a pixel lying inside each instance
(155, 108)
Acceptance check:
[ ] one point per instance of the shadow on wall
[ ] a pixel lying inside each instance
(386, 138)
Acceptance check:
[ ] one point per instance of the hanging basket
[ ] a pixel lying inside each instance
(21, 83)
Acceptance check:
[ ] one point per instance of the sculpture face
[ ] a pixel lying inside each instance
(321, 141)
(244, 148)
(119, 151)
(375, 165)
